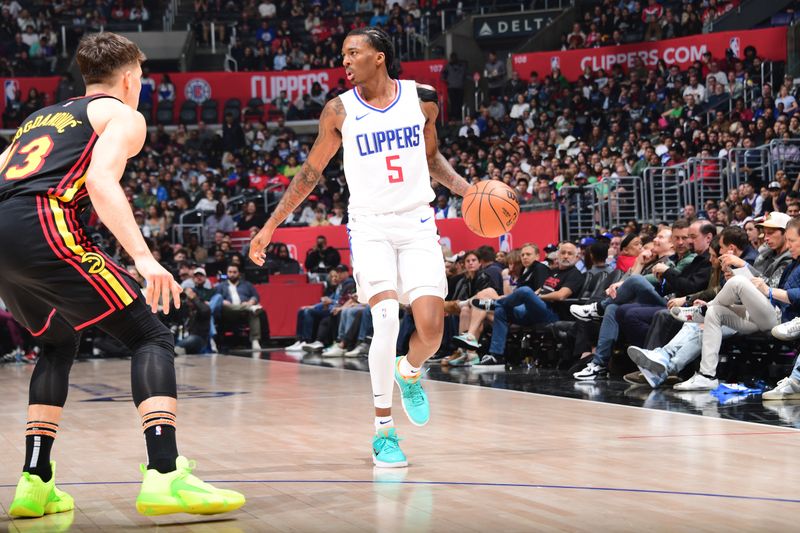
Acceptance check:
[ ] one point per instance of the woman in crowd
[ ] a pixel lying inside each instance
(474, 281)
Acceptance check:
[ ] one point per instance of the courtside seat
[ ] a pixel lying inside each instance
(756, 356)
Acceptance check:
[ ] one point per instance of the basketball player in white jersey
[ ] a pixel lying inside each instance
(387, 128)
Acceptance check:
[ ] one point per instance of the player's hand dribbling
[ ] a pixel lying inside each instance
(259, 244)
(160, 284)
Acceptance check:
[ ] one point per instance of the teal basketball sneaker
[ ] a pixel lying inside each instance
(415, 401)
(386, 452)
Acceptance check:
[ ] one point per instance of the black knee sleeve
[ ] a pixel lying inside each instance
(152, 344)
(50, 379)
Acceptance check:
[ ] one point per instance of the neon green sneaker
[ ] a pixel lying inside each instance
(35, 498)
(386, 452)
(181, 492)
(415, 401)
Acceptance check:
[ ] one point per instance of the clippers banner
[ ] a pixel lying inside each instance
(770, 44)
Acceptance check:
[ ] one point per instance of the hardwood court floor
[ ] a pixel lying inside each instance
(296, 440)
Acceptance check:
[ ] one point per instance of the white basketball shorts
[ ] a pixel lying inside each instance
(397, 252)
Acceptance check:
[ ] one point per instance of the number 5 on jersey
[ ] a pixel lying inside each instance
(398, 177)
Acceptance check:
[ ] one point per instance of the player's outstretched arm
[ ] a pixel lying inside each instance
(121, 138)
(438, 166)
(329, 139)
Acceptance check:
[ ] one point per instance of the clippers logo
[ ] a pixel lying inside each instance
(197, 90)
(555, 62)
(96, 262)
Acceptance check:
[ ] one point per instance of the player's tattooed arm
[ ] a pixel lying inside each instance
(328, 141)
(438, 165)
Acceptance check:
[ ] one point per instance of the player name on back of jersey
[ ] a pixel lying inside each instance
(60, 121)
(387, 140)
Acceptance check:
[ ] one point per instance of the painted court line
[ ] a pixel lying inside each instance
(792, 433)
(463, 484)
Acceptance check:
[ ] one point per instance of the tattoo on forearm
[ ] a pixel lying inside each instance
(443, 172)
(300, 187)
(307, 179)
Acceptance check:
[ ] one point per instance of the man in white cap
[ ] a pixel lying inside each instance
(741, 304)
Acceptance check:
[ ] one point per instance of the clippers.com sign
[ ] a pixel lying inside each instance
(769, 43)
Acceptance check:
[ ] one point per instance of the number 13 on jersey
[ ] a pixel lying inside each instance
(397, 177)
(35, 153)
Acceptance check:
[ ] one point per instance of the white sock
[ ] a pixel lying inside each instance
(406, 369)
(383, 422)
(385, 326)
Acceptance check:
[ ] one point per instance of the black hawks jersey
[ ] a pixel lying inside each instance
(50, 153)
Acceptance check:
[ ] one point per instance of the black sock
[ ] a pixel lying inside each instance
(39, 439)
(159, 434)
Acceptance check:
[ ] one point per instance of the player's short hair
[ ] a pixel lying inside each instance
(380, 41)
(100, 55)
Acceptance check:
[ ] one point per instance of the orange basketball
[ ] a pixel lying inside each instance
(490, 208)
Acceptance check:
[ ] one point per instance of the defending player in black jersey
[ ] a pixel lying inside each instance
(56, 282)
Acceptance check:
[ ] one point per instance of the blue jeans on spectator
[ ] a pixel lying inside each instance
(635, 321)
(685, 347)
(365, 328)
(523, 307)
(635, 289)
(215, 303)
(796, 370)
(306, 318)
(348, 316)
(193, 344)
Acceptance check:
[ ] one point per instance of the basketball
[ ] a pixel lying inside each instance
(490, 208)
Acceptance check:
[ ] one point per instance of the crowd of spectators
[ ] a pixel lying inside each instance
(538, 133)
(612, 22)
(30, 32)
(286, 35)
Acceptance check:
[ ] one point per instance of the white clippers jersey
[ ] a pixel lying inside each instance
(384, 153)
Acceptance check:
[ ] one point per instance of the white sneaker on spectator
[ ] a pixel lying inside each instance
(585, 312)
(255, 344)
(653, 360)
(592, 372)
(786, 389)
(213, 345)
(788, 331)
(697, 382)
(180, 350)
(313, 346)
(334, 350)
(296, 347)
(361, 349)
(689, 314)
